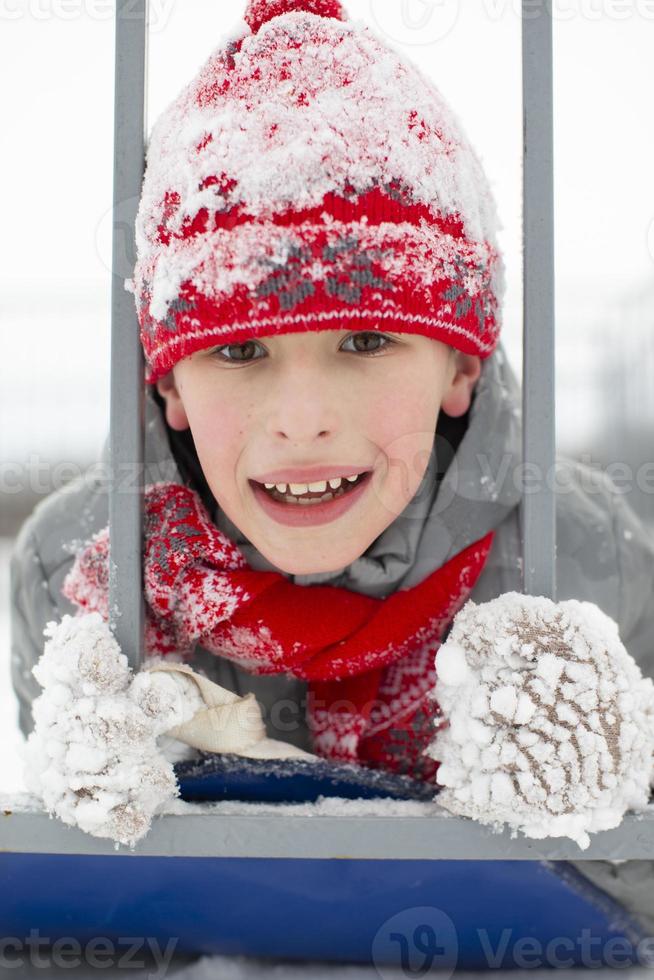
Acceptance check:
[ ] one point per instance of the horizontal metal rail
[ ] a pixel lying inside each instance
(246, 832)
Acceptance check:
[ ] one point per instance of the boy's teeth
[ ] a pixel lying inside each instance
(297, 489)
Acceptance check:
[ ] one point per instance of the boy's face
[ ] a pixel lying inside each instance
(347, 402)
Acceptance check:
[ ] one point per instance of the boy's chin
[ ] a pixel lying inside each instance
(307, 566)
(318, 569)
(304, 563)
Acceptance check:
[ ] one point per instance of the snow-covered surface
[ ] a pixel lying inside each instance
(550, 721)
(324, 806)
(240, 968)
(244, 968)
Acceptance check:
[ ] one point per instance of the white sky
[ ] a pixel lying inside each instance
(56, 69)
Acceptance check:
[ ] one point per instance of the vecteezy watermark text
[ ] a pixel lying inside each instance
(98, 953)
(159, 11)
(36, 474)
(423, 22)
(423, 939)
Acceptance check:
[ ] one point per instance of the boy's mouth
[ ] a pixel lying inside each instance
(289, 493)
(312, 507)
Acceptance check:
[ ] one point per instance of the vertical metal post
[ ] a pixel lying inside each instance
(538, 509)
(127, 407)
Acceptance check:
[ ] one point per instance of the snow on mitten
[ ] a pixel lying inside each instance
(549, 721)
(93, 756)
(96, 757)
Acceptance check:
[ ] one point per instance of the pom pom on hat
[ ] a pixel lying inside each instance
(311, 178)
(260, 11)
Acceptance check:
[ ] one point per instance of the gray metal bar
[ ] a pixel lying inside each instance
(127, 407)
(241, 832)
(538, 510)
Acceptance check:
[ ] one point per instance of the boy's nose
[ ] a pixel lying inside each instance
(295, 438)
(303, 420)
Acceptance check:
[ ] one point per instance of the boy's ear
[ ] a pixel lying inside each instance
(175, 414)
(464, 371)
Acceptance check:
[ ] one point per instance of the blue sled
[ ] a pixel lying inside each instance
(416, 915)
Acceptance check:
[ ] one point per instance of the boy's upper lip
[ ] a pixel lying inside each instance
(310, 475)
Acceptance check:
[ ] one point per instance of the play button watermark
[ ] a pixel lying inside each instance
(415, 21)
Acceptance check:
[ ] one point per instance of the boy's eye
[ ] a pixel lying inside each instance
(238, 353)
(368, 336)
(246, 348)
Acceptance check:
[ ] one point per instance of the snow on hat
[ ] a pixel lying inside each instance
(310, 178)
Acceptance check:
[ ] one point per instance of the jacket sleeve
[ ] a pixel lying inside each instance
(31, 607)
(635, 551)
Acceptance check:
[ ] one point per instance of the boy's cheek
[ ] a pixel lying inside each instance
(397, 479)
(402, 429)
(220, 464)
(219, 448)
(218, 432)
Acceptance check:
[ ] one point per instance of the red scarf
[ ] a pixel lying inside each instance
(369, 662)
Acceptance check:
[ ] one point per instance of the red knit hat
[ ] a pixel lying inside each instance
(310, 178)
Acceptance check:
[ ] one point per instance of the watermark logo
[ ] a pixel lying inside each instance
(650, 239)
(415, 22)
(423, 22)
(418, 941)
(114, 233)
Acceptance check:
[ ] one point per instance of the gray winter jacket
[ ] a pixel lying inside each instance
(604, 553)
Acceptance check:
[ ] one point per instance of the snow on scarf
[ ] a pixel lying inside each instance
(369, 662)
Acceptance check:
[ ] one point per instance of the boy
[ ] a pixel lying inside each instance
(309, 197)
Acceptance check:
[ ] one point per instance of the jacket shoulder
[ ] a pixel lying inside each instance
(604, 539)
(604, 554)
(58, 526)
(40, 558)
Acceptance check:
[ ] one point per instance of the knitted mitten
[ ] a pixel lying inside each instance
(94, 757)
(549, 722)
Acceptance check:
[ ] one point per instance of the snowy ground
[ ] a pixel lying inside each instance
(240, 968)
(221, 968)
